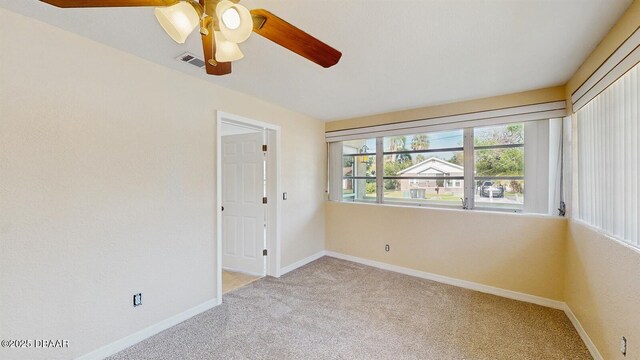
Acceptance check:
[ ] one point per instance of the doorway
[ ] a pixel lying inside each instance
(247, 236)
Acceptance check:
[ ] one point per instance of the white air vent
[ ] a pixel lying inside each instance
(189, 58)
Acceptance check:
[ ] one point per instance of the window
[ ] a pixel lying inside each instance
(609, 160)
(499, 166)
(424, 168)
(479, 167)
(359, 170)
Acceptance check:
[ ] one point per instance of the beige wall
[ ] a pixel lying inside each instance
(603, 290)
(601, 280)
(107, 185)
(464, 107)
(523, 253)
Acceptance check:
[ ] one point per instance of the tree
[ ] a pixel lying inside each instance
(509, 134)
(501, 162)
(370, 188)
(392, 168)
(420, 142)
(457, 158)
(516, 186)
(397, 143)
(404, 158)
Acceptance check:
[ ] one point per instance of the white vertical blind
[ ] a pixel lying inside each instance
(567, 165)
(608, 156)
(335, 171)
(536, 167)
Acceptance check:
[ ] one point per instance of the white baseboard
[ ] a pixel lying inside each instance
(583, 334)
(143, 334)
(147, 332)
(555, 304)
(302, 262)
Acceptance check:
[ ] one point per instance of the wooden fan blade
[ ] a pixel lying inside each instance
(209, 47)
(108, 3)
(284, 34)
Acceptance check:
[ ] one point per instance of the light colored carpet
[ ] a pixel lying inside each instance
(335, 309)
(232, 280)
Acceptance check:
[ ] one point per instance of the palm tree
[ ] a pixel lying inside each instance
(397, 143)
(420, 142)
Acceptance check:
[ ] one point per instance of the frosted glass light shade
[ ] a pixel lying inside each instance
(226, 50)
(236, 23)
(178, 20)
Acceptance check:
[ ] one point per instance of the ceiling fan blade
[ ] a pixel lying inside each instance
(282, 33)
(209, 49)
(108, 3)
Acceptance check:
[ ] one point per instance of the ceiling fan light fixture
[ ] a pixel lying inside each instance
(178, 20)
(231, 18)
(236, 23)
(226, 51)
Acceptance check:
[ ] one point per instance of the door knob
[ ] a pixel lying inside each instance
(223, 208)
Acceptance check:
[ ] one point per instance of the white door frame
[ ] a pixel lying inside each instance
(274, 204)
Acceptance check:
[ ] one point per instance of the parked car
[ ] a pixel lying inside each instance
(488, 187)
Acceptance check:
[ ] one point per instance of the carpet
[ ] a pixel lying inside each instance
(336, 309)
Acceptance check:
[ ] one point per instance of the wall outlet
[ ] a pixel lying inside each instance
(387, 248)
(623, 346)
(137, 299)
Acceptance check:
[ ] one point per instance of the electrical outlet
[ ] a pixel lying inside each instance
(137, 299)
(387, 248)
(623, 346)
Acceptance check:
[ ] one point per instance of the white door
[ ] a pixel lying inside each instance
(243, 217)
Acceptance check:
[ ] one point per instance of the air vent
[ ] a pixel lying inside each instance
(189, 58)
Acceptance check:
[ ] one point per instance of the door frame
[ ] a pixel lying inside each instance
(274, 204)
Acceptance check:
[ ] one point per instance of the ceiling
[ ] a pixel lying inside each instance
(397, 54)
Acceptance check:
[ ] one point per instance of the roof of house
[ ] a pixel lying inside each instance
(432, 163)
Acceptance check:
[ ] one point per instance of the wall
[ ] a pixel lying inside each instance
(526, 252)
(523, 253)
(107, 185)
(601, 281)
(497, 102)
(602, 289)
(624, 27)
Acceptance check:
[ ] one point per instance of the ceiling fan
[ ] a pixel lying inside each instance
(223, 25)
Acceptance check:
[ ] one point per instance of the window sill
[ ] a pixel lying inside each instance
(507, 212)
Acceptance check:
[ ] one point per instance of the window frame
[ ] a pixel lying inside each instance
(468, 177)
(356, 177)
(403, 201)
(494, 178)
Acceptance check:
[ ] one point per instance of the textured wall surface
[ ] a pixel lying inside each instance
(107, 188)
(523, 253)
(603, 291)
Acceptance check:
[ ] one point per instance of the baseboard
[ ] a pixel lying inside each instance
(302, 262)
(145, 333)
(555, 304)
(583, 334)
